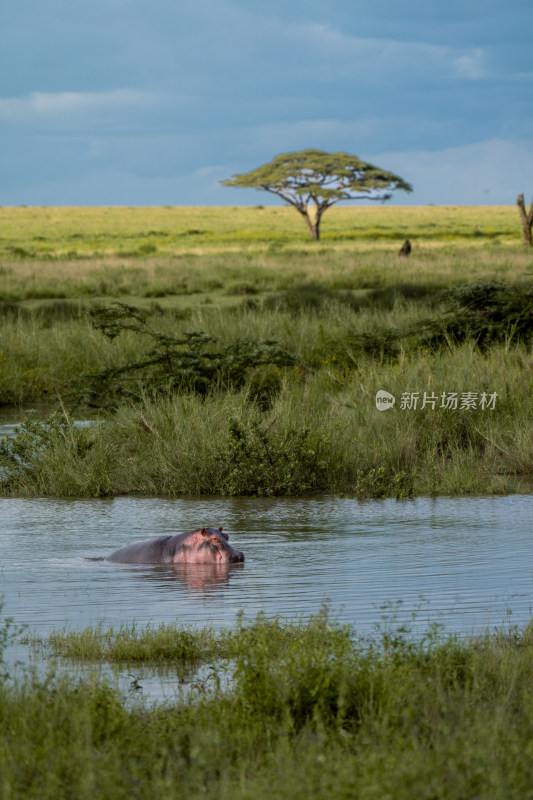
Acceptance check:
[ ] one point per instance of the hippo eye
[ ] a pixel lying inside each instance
(215, 540)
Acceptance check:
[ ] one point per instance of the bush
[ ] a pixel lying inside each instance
(264, 385)
(22, 454)
(265, 463)
(487, 313)
(186, 364)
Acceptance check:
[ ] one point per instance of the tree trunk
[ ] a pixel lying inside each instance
(526, 219)
(313, 226)
(314, 229)
(313, 222)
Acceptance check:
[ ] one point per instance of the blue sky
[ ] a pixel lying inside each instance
(153, 102)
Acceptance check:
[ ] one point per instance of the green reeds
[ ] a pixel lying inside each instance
(311, 711)
(151, 645)
(319, 432)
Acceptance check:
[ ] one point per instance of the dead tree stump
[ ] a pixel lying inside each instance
(526, 219)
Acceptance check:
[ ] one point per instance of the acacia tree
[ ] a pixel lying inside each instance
(322, 179)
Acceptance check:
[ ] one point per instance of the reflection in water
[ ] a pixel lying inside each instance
(466, 563)
(195, 577)
(470, 559)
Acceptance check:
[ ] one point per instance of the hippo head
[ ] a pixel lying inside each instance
(208, 546)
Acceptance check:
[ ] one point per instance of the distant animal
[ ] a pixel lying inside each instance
(405, 249)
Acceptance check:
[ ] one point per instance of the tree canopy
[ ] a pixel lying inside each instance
(322, 179)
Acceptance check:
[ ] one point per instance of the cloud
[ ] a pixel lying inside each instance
(39, 104)
(491, 172)
(370, 58)
(116, 88)
(471, 65)
(119, 187)
(248, 146)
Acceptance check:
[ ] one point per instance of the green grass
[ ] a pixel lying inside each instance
(49, 350)
(311, 712)
(150, 645)
(61, 253)
(321, 432)
(352, 316)
(188, 281)
(81, 232)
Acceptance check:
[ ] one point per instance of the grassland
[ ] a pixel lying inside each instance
(311, 711)
(92, 232)
(348, 318)
(191, 396)
(199, 253)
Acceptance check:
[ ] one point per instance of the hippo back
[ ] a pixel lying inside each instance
(151, 551)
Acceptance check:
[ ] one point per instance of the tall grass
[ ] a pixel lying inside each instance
(150, 645)
(53, 349)
(40, 361)
(321, 432)
(350, 316)
(237, 273)
(311, 711)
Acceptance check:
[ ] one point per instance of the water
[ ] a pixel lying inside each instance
(466, 563)
(469, 558)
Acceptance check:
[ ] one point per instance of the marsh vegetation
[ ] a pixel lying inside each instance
(220, 352)
(310, 710)
(236, 357)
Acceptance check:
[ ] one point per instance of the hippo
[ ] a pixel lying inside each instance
(202, 546)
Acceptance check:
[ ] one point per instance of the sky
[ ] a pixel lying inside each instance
(154, 102)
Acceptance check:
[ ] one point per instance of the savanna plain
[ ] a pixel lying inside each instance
(220, 351)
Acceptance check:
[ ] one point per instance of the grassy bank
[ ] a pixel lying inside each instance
(311, 712)
(320, 432)
(250, 365)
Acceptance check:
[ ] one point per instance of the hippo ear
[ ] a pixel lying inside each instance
(225, 535)
(204, 532)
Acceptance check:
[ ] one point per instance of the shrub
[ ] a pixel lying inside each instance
(186, 364)
(22, 454)
(263, 462)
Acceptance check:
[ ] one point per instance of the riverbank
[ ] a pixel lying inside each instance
(253, 368)
(461, 424)
(312, 710)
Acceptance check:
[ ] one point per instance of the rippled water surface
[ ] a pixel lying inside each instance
(466, 563)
